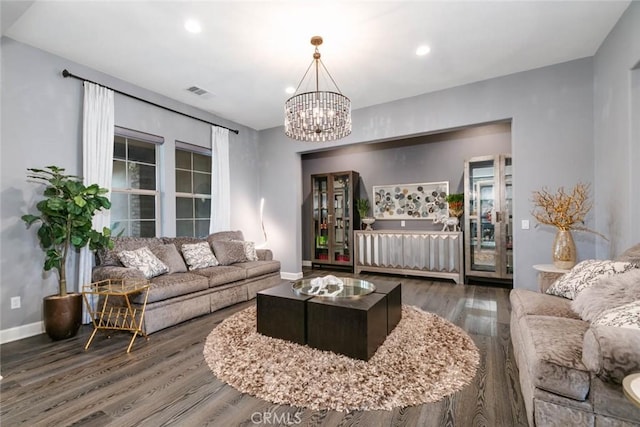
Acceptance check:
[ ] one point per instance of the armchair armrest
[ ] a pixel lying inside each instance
(611, 352)
(264, 254)
(115, 272)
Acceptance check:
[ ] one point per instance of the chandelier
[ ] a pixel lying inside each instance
(317, 116)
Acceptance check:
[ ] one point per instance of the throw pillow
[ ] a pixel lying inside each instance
(144, 260)
(249, 250)
(229, 251)
(625, 316)
(631, 255)
(170, 256)
(609, 292)
(585, 274)
(198, 255)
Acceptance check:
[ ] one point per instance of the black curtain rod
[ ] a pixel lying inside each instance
(66, 73)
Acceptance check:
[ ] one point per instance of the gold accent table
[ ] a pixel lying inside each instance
(114, 310)
(631, 387)
(547, 274)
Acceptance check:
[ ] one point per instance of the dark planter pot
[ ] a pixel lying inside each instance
(62, 315)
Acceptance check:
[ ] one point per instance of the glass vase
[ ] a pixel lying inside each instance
(564, 250)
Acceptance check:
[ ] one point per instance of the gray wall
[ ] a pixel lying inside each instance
(617, 135)
(428, 158)
(42, 125)
(551, 110)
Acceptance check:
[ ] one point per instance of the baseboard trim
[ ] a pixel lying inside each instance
(291, 276)
(20, 332)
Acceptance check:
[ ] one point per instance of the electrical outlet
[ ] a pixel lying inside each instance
(525, 224)
(15, 302)
(402, 224)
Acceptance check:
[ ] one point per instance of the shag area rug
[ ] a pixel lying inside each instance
(424, 359)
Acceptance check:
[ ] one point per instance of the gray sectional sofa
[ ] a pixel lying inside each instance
(182, 294)
(571, 364)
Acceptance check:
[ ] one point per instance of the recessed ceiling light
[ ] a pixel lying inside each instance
(192, 26)
(423, 50)
(290, 90)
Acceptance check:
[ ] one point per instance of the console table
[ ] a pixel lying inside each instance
(420, 253)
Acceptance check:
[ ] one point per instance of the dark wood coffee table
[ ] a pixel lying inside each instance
(355, 327)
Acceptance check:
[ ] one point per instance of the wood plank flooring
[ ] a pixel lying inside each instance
(165, 381)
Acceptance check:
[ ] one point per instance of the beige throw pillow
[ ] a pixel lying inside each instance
(198, 255)
(144, 260)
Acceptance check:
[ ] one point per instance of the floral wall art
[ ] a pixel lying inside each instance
(411, 201)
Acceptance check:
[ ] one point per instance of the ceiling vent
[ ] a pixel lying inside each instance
(198, 91)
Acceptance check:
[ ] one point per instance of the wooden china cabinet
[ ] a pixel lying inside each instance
(333, 217)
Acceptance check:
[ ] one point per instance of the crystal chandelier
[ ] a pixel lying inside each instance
(317, 116)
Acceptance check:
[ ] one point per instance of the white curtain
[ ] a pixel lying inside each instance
(97, 161)
(220, 182)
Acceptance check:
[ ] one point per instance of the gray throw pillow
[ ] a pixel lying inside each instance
(229, 251)
(608, 292)
(631, 255)
(249, 250)
(170, 256)
(198, 255)
(144, 260)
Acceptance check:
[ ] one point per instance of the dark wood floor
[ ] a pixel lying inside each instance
(165, 380)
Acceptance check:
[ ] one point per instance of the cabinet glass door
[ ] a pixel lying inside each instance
(339, 220)
(508, 215)
(482, 216)
(321, 218)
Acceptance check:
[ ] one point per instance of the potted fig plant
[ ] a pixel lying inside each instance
(65, 216)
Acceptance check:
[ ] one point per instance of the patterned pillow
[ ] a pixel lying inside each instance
(584, 275)
(198, 255)
(625, 316)
(144, 260)
(229, 251)
(249, 250)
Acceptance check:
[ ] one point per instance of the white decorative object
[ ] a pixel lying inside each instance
(451, 222)
(319, 286)
(368, 221)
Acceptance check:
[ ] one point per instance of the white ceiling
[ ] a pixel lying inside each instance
(249, 52)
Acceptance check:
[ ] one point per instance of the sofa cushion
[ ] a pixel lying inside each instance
(172, 285)
(144, 260)
(553, 346)
(184, 240)
(170, 256)
(259, 268)
(585, 274)
(611, 352)
(198, 255)
(229, 251)
(608, 293)
(222, 274)
(225, 235)
(524, 302)
(110, 256)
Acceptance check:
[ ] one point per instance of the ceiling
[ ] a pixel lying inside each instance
(248, 52)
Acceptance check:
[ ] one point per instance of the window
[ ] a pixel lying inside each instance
(134, 192)
(193, 190)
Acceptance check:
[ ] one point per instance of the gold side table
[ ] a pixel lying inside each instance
(114, 309)
(547, 274)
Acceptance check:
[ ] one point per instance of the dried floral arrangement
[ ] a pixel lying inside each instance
(565, 211)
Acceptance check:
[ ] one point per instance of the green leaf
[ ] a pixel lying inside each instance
(79, 201)
(29, 219)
